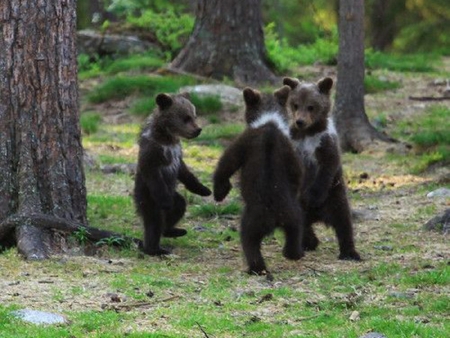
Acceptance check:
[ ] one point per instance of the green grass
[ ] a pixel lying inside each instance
(135, 63)
(90, 122)
(401, 63)
(430, 136)
(374, 84)
(119, 87)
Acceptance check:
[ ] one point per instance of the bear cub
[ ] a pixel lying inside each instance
(323, 192)
(269, 177)
(160, 165)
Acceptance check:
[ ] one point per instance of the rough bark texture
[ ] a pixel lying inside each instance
(355, 131)
(41, 171)
(227, 41)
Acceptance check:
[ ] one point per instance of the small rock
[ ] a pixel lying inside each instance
(401, 295)
(439, 223)
(384, 247)
(354, 316)
(373, 335)
(441, 192)
(39, 317)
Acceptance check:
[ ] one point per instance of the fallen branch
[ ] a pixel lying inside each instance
(429, 98)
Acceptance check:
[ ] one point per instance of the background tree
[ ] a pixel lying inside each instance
(355, 131)
(42, 183)
(227, 41)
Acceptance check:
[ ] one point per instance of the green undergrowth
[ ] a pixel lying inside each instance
(429, 134)
(119, 87)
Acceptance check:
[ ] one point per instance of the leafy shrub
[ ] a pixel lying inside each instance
(170, 28)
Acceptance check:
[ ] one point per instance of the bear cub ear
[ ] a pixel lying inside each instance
(291, 82)
(164, 100)
(282, 95)
(251, 96)
(325, 85)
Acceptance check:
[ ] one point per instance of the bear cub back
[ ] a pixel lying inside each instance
(269, 177)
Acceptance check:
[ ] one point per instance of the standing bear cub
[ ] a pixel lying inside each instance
(160, 165)
(323, 193)
(269, 177)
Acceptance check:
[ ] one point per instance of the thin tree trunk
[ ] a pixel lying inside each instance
(227, 42)
(355, 131)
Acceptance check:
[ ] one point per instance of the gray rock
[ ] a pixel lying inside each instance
(439, 223)
(228, 95)
(39, 317)
(93, 43)
(360, 215)
(373, 335)
(441, 192)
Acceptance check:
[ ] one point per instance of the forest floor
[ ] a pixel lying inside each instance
(401, 289)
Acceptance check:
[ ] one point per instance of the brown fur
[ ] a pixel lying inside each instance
(160, 165)
(323, 192)
(270, 178)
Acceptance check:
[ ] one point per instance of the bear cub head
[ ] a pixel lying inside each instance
(175, 116)
(309, 103)
(261, 108)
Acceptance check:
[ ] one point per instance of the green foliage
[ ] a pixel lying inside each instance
(213, 132)
(149, 62)
(81, 235)
(286, 58)
(211, 210)
(430, 134)
(400, 63)
(89, 122)
(205, 105)
(170, 28)
(375, 84)
(120, 87)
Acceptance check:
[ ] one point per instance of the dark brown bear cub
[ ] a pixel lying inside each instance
(323, 192)
(160, 165)
(270, 177)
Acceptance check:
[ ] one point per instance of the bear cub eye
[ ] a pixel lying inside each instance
(187, 119)
(294, 106)
(310, 108)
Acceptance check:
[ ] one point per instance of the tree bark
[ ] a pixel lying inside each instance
(354, 129)
(41, 168)
(227, 42)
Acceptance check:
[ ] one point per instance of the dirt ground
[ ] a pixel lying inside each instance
(388, 196)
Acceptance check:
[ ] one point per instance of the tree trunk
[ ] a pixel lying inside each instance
(227, 41)
(382, 21)
(42, 183)
(354, 129)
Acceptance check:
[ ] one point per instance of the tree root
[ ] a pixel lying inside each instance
(33, 235)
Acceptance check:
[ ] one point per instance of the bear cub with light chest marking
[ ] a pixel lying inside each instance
(160, 165)
(269, 177)
(323, 193)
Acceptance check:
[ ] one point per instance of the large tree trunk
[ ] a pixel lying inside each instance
(355, 131)
(42, 183)
(227, 41)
